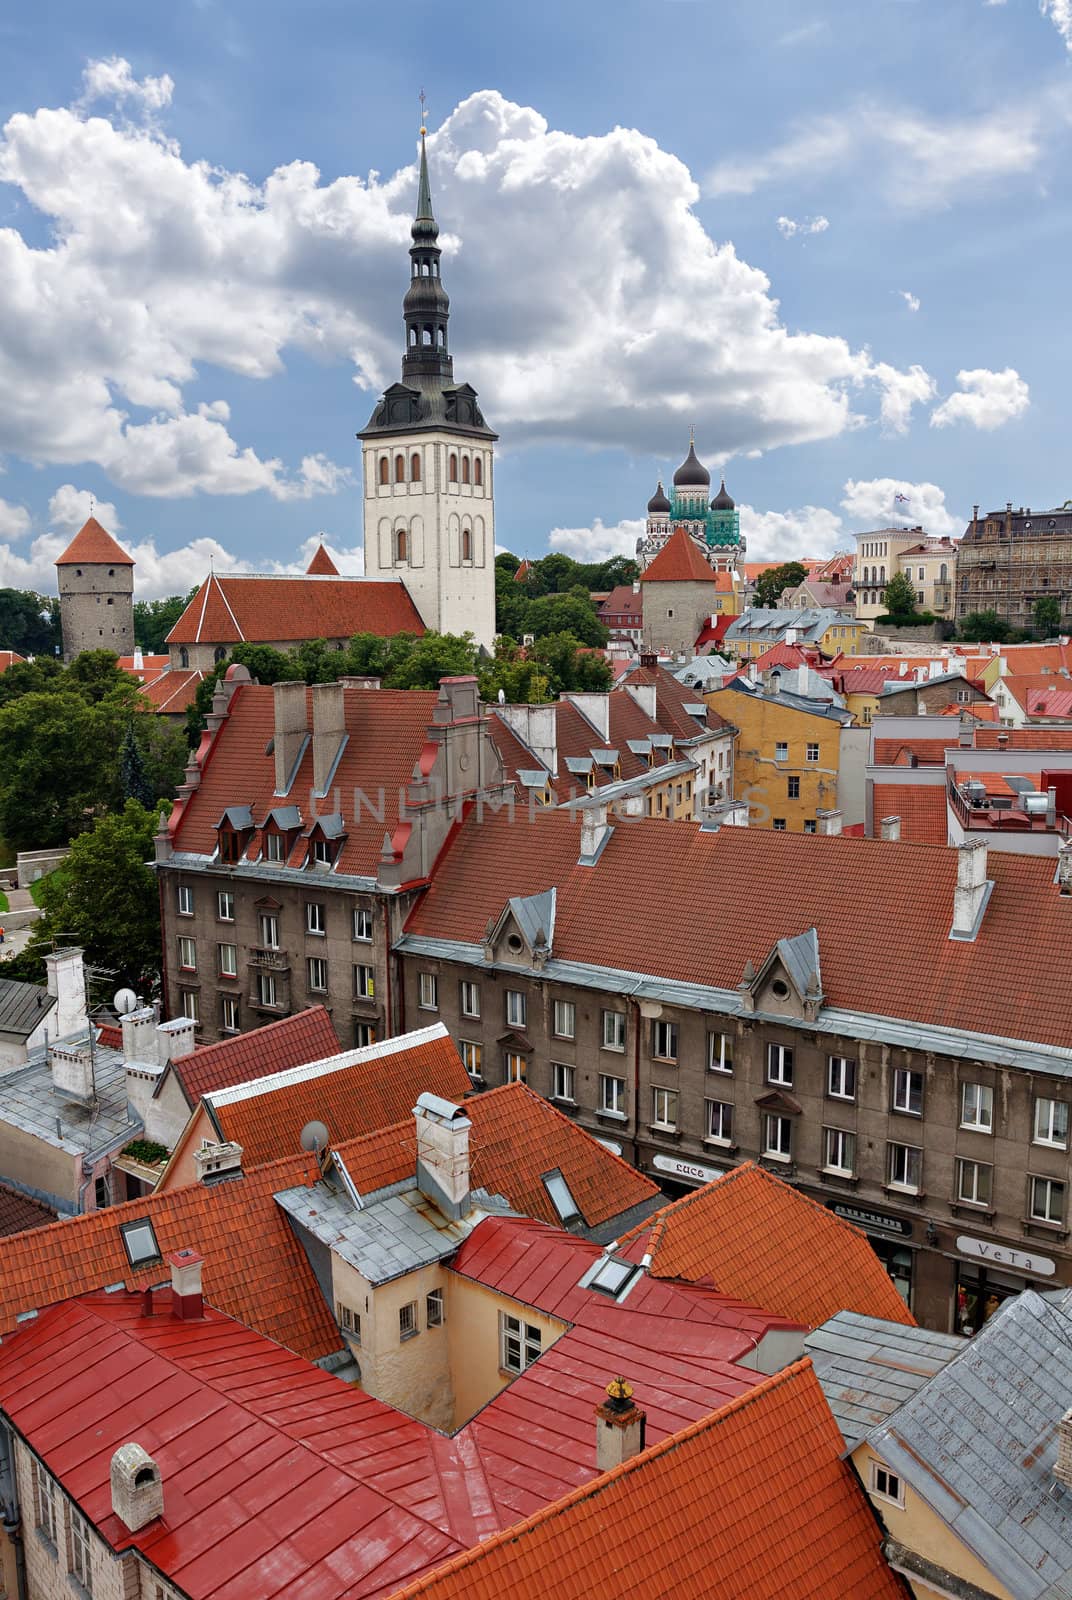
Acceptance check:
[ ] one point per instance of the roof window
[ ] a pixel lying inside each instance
(139, 1241)
(612, 1276)
(561, 1197)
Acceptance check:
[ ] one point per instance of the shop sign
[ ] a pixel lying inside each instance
(1003, 1255)
(609, 1144)
(688, 1171)
(870, 1221)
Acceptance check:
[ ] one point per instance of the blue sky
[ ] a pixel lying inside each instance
(811, 220)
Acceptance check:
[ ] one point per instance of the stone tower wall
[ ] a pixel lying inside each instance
(96, 609)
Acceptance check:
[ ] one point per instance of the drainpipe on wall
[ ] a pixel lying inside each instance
(637, 1020)
(10, 1513)
(390, 958)
(163, 949)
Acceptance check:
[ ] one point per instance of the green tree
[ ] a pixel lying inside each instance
(771, 585)
(571, 613)
(29, 623)
(433, 656)
(899, 597)
(133, 778)
(96, 675)
(978, 627)
(31, 677)
(154, 620)
(1046, 615)
(57, 767)
(104, 898)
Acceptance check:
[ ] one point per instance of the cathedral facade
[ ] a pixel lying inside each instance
(714, 526)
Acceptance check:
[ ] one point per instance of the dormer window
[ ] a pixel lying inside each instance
(323, 852)
(274, 847)
(326, 838)
(233, 833)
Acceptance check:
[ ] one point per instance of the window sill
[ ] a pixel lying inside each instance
(230, 977)
(569, 1108)
(897, 1192)
(663, 1132)
(1048, 1144)
(721, 1072)
(901, 1111)
(316, 933)
(970, 1127)
(613, 1049)
(726, 1145)
(842, 1099)
(564, 1038)
(833, 1175)
(1047, 1230)
(611, 1116)
(774, 1155)
(431, 1009)
(470, 1016)
(975, 1209)
(403, 1338)
(365, 1000)
(46, 1543)
(665, 1061)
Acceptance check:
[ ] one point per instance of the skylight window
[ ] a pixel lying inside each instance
(139, 1242)
(613, 1276)
(561, 1198)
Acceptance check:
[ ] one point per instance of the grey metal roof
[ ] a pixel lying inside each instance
(535, 916)
(607, 793)
(800, 958)
(828, 708)
(332, 826)
(808, 625)
(34, 1105)
(534, 777)
(580, 765)
(237, 817)
(22, 1006)
(979, 1440)
(869, 1368)
(285, 817)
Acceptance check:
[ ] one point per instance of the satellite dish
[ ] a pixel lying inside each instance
(314, 1137)
(124, 1000)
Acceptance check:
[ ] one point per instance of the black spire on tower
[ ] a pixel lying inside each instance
(426, 307)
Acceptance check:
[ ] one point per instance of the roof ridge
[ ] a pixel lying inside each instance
(252, 1088)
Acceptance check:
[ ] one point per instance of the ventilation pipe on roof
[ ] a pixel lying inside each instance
(828, 822)
(291, 733)
(137, 1492)
(965, 731)
(186, 1302)
(620, 1426)
(443, 1154)
(890, 828)
(973, 890)
(329, 733)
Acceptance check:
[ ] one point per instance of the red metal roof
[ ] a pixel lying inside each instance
(172, 691)
(93, 546)
(267, 610)
(307, 1036)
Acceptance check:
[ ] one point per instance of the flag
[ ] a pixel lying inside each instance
(900, 499)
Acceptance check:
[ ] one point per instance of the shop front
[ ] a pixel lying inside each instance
(987, 1274)
(677, 1176)
(889, 1237)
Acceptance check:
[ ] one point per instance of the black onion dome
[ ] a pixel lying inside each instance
(658, 501)
(692, 474)
(722, 500)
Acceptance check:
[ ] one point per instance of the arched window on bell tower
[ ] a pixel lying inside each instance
(415, 468)
(385, 470)
(465, 469)
(467, 544)
(453, 467)
(478, 472)
(400, 468)
(400, 546)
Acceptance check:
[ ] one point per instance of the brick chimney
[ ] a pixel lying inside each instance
(137, 1492)
(972, 890)
(1062, 1467)
(291, 733)
(890, 828)
(186, 1301)
(329, 733)
(443, 1154)
(828, 822)
(620, 1426)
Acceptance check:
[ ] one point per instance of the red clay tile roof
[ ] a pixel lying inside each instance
(264, 610)
(751, 1503)
(93, 546)
(790, 883)
(8, 658)
(1023, 738)
(898, 752)
(18, 1211)
(622, 601)
(388, 731)
(255, 1270)
(174, 690)
(257, 1503)
(671, 698)
(679, 561)
(516, 1138)
(921, 808)
(321, 566)
(307, 1036)
(751, 1235)
(361, 1091)
(788, 655)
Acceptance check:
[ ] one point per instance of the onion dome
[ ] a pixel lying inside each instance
(692, 474)
(722, 500)
(658, 501)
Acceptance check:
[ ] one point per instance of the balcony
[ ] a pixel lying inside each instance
(269, 960)
(980, 812)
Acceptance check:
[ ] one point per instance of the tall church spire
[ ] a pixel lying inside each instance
(426, 307)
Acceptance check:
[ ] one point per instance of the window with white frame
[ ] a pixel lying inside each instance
(975, 1182)
(45, 1506)
(323, 852)
(316, 917)
(781, 752)
(719, 1115)
(349, 1321)
(80, 1565)
(1047, 1200)
(362, 925)
(364, 982)
(364, 1034)
(186, 900)
(780, 1065)
(188, 955)
(407, 1320)
(1051, 1123)
(664, 1040)
(228, 960)
(470, 999)
(886, 1485)
(266, 989)
(777, 1137)
(812, 752)
(190, 1002)
(434, 1311)
(611, 1095)
(564, 1019)
(908, 1091)
(273, 847)
(719, 1052)
(839, 1152)
(977, 1107)
(269, 930)
(470, 1052)
(318, 974)
(562, 1080)
(224, 905)
(613, 1030)
(515, 1067)
(429, 992)
(229, 1013)
(664, 1109)
(841, 1077)
(517, 1008)
(519, 1343)
(904, 1167)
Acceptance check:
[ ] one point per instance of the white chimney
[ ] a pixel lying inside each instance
(537, 727)
(646, 697)
(1064, 867)
(175, 1039)
(216, 1162)
(139, 1035)
(890, 828)
(802, 678)
(72, 1072)
(443, 1153)
(595, 831)
(790, 636)
(1062, 1467)
(291, 732)
(67, 986)
(596, 707)
(828, 822)
(139, 660)
(972, 890)
(620, 1426)
(329, 733)
(137, 1492)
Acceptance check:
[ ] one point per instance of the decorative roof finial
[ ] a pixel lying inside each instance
(424, 129)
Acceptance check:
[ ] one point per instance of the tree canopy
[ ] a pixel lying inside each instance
(772, 584)
(555, 595)
(985, 627)
(1046, 615)
(29, 622)
(899, 597)
(154, 620)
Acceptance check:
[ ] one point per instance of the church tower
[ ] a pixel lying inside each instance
(96, 584)
(428, 462)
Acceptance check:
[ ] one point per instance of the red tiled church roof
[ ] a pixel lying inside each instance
(307, 1036)
(321, 566)
(264, 610)
(679, 561)
(93, 546)
(174, 690)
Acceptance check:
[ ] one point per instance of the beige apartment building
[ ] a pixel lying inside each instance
(929, 562)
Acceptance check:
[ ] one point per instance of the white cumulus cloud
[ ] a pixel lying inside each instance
(69, 508)
(874, 503)
(900, 392)
(113, 79)
(789, 228)
(788, 535)
(911, 300)
(985, 399)
(1060, 14)
(599, 542)
(14, 520)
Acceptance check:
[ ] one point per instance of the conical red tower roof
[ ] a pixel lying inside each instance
(93, 546)
(678, 561)
(321, 566)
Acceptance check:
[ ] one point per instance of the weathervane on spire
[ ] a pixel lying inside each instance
(424, 129)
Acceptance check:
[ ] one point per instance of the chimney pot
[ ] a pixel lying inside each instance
(186, 1301)
(620, 1426)
(972, 890)
(137, 1492)
(443, 1154)
(829, 822)
(890, 828)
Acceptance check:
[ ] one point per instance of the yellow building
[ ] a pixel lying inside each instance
(788, 755)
